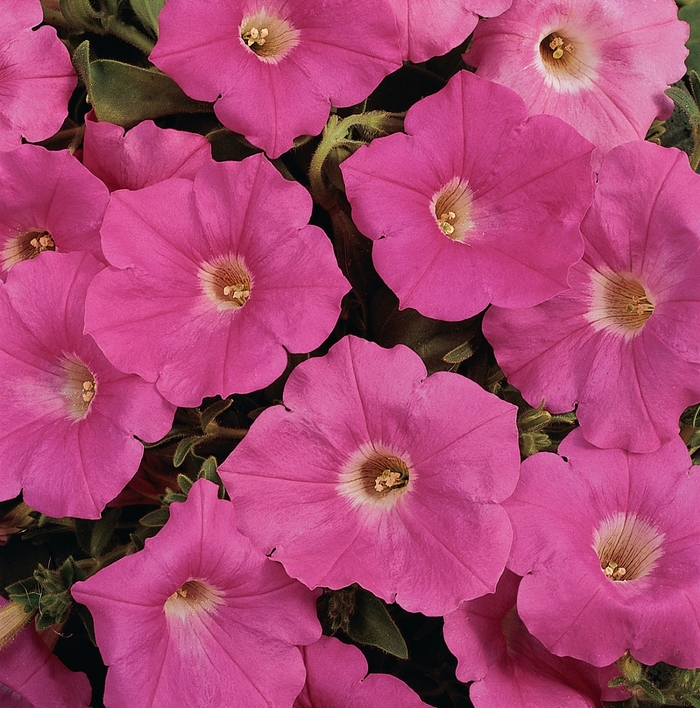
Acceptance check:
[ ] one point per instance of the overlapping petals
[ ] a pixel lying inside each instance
(213, 281)
(600, 65)
(68, 417)
(468, 209)
(392, 482)
(199, 616)
(275, 68)
(608, 541)
(624, 342)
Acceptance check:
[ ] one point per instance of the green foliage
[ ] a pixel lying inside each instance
(691, 14)
(147, 11)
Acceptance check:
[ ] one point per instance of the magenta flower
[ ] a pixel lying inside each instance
(623, 343)
(143, 156)
(600, 65)
(372, 473)
(336, 677)
(65, 409)
(608, 542)
(32, 677)
(220, 278)
(429, 28)
(199, 617)
(274, 68)
(36, 76)
(48, 202)
(468, 208)
(512, 668)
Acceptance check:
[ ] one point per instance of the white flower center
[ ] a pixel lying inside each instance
(627, 546)
(619, 303)
(567, 60)
(271, 38)
(193, 597)
(25, 246)
(452, 208)
(376, 474)
(227, 282)
(79, 387)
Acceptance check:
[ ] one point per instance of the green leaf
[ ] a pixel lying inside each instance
(125, 95)
(87, 620)
(80, 15)
(27, 592)
(208, 470)
(156, 519)
(214, 410)
(103, 530)
(691, 14)
(695, 702)
(371, 624)
(684, 100)
(651, 691)
(184, 483)
(184, 447)
(147, 11)
(459, 354)
(83, 533)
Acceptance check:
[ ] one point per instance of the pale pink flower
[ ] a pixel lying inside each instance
(600, 65)
(275, 67)
(624, 342)
(372, 472)
(199, 617)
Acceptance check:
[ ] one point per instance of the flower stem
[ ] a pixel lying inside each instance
(115, 26)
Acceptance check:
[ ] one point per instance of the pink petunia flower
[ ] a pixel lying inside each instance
(199, 617)
(468, 208)
(143, 156)
(274, 68)
(68, 417)
(219, 278)
(624, 342)
(48, 202)
(512, 668)
(336, 677)
(608, 543)
(600, 65)
(372, 473)
(36, 76)
(32, 677)
(429, 28)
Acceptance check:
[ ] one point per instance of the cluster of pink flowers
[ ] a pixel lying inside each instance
(140, 275)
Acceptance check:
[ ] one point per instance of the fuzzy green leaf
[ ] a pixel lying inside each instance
(147, 11)
(371, 624)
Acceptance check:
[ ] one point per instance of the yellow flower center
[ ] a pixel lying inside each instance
(79, 386)
(193, 597)
(26, 245)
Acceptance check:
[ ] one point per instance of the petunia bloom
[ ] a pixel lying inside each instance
(373, 473)
(473, 206)
(32, 677)
(429, 28)
(336, 677)
(48, 202)
(145, 155)
(600, 65)
(68, 417)
(512, 668)
(199, 617)
(624, 342)
(607, 541)
(213, 281)
(36, 76)
(275, 68)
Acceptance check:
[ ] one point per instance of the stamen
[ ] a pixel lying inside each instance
(270, 37)
(25, 246)
(452, 207)
(227, 282)
(79, 386)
